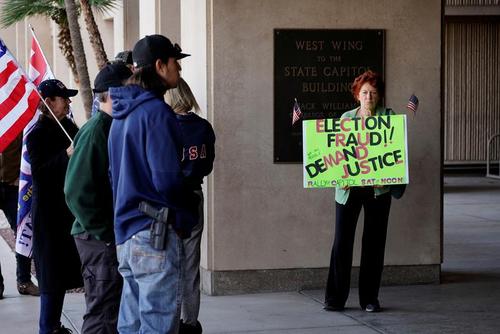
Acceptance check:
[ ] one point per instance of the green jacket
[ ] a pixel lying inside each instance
(341, 195)
(87, 187)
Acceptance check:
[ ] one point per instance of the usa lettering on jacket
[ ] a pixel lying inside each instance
(195, 152)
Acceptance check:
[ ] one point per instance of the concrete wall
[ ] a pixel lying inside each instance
(260, 220)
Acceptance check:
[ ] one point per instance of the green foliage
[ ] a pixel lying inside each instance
(16, 10)
(102, 6)
(13, 11)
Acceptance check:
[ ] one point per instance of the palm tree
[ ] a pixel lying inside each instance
(17, 10)
(81, 61)
(13, 11)
(93, 30)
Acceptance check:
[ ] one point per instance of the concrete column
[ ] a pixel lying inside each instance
(160, 17)
(126, 25)
(147, 14)
(194, 71)
(20, 47)
(170, 19)
(9, 37)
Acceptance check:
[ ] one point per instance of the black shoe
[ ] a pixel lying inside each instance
(333, 308)
(190, 329)
(28, 288)
(373, 308)
(62, 330)
(1, 291)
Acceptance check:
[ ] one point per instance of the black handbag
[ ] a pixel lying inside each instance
(398, 190)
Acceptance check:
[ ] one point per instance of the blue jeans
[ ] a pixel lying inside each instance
(191, 282)
(51, 305)
(152, 285)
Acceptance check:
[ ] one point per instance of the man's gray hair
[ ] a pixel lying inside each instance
(102, 96)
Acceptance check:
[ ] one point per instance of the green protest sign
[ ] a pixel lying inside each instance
(353, 152)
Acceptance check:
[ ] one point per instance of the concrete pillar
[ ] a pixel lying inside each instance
(147, 14)
(170, 19)
(160, 17)
(194, 71)
(126, 25)
(21, 45)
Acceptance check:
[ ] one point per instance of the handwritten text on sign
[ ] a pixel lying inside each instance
(352, 152)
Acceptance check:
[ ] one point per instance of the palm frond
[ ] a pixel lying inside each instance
(13, 11)
(103, 6)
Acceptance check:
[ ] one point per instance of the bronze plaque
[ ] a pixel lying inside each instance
(317, 67)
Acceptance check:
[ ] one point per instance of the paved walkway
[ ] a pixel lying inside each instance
(466, 301)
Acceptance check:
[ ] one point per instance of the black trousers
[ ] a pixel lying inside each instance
(376, 213)
(102, 282)
(8, 204)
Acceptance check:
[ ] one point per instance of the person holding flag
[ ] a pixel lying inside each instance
(56, 258)
(38, 71)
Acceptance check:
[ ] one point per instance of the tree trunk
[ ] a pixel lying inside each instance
(79, 52)
(94, 34)
(64, 40)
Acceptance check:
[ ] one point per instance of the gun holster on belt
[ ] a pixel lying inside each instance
(159, 228)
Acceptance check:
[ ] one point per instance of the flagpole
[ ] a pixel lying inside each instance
(36, 90)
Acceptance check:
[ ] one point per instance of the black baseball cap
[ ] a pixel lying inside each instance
(112, 75)
(54, 87)
(150, 48)
(124, 56)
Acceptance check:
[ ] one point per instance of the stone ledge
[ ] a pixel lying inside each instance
(258, 281)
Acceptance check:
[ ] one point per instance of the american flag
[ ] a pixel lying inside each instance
(38, 71)
(412, 103)
(18, 98)
(296, 113)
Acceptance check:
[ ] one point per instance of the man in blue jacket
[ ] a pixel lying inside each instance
(145, 151)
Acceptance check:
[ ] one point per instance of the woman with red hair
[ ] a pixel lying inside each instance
(368, 89)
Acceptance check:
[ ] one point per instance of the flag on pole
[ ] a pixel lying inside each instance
(18, 98)
(296, 113)
(412, 103)
(38, 71)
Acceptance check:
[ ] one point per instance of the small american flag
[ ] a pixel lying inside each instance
(412, 103)
(296, 113)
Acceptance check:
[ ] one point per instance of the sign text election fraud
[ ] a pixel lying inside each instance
(357, 151)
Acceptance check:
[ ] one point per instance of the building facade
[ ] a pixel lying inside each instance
(263, 231)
